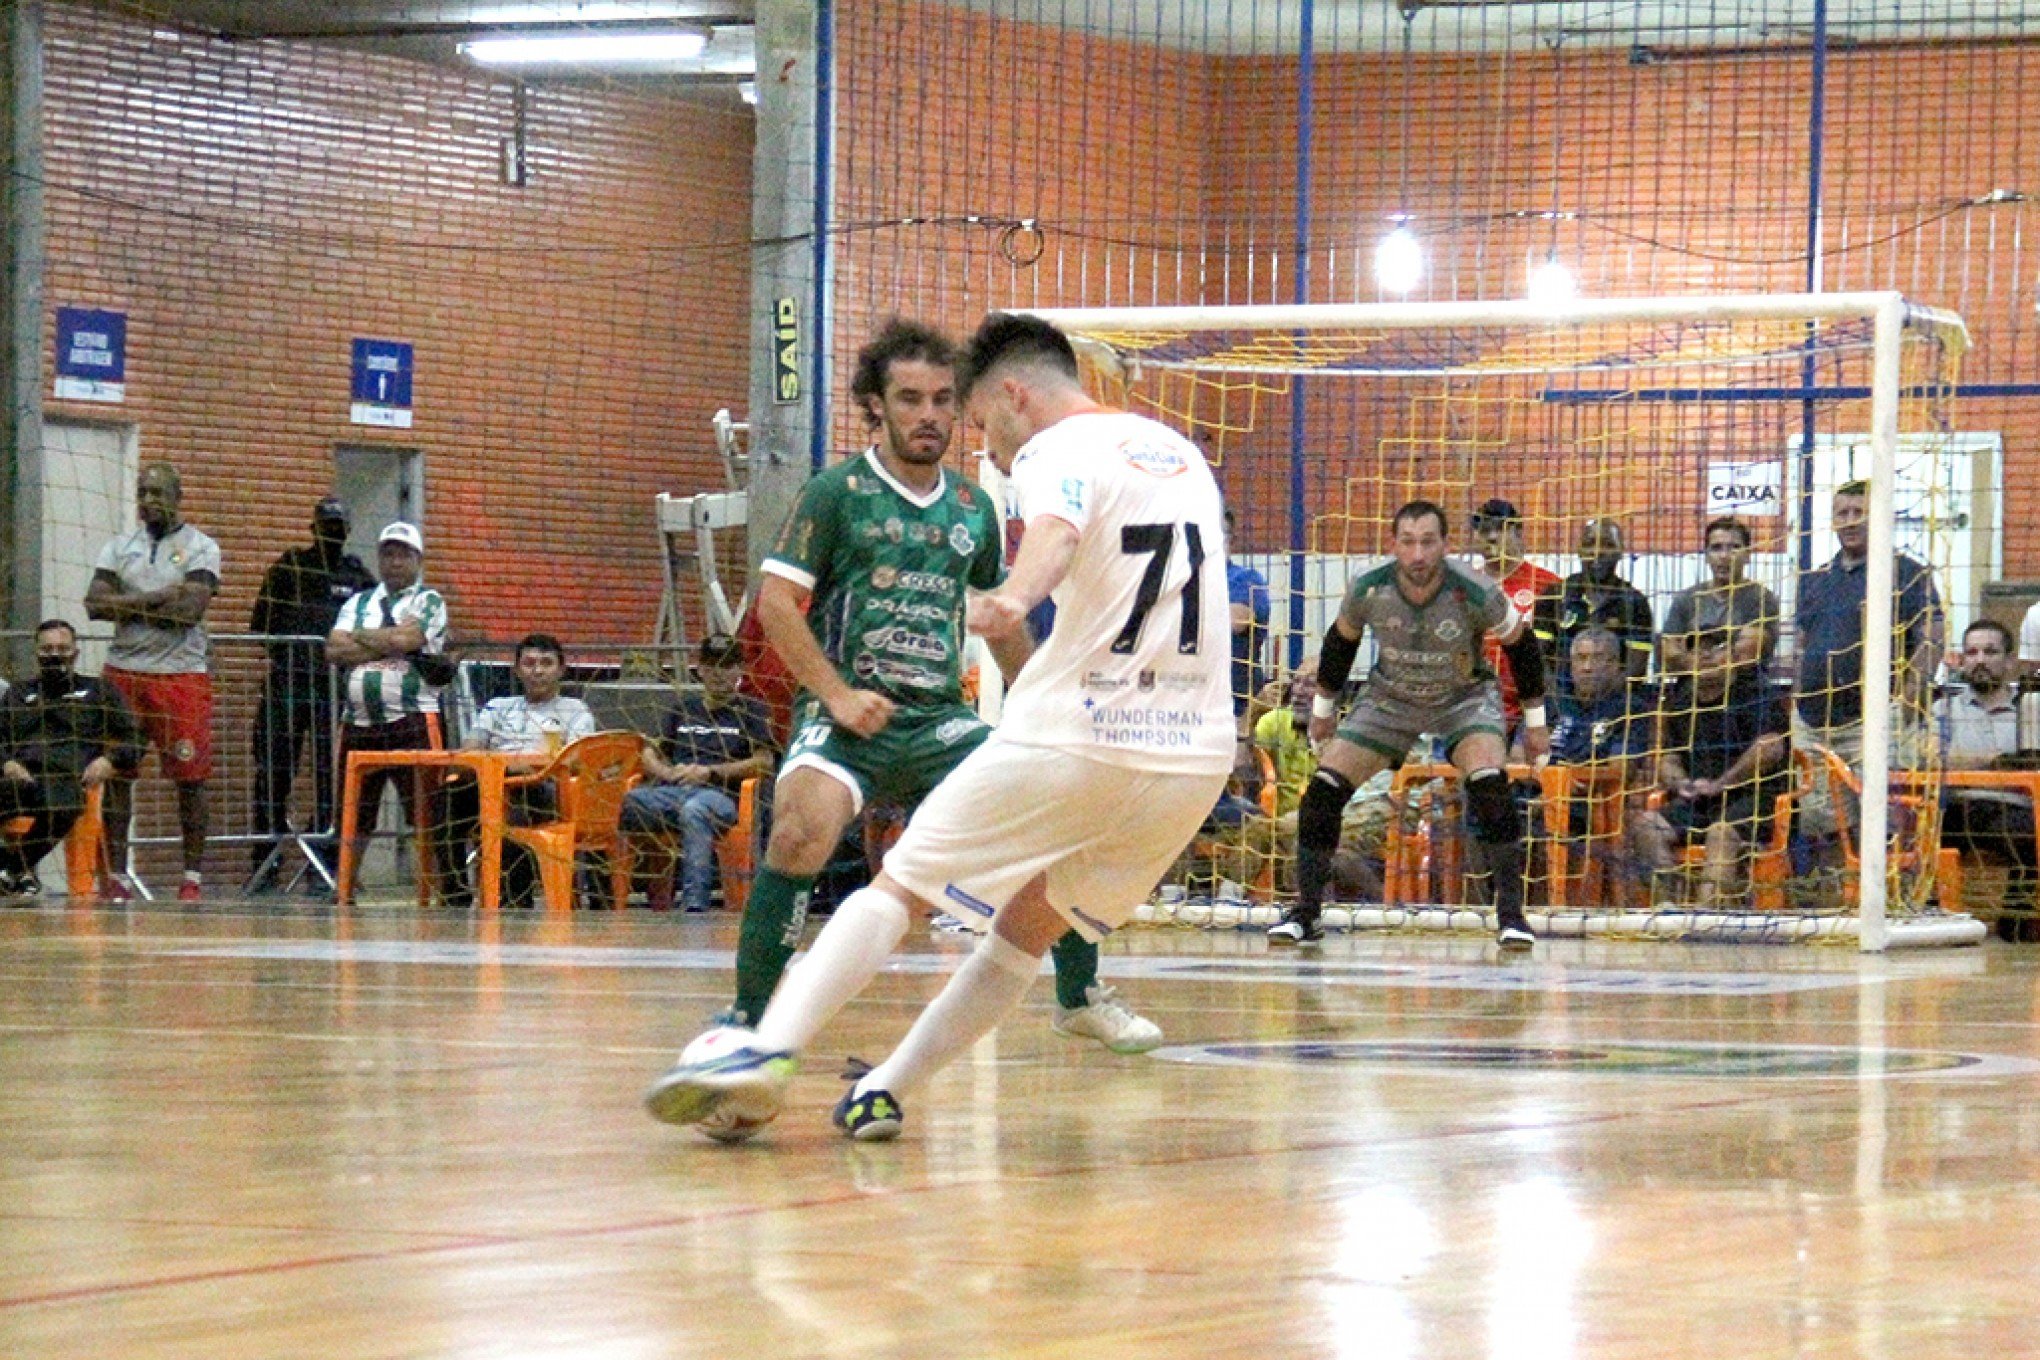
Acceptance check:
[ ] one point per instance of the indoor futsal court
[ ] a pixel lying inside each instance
(262, 1133)
(443, 438)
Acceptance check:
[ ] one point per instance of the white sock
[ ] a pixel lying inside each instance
(983, 992)
(848, 953)
(193, 876)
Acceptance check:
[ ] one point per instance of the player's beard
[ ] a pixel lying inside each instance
(909, 445)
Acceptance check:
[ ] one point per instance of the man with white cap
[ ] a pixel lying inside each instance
(392, 639)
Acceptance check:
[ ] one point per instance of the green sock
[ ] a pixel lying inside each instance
(1076, 970)
(775, 916)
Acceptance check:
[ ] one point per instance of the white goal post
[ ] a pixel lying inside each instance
(1132, 341)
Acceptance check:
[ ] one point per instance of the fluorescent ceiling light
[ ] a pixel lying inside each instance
(587, 48)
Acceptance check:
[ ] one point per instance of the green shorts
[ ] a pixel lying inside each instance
(914, 752)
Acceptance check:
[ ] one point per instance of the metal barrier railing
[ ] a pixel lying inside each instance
(630, 685)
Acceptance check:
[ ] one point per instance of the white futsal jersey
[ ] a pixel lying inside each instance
(1137, 670)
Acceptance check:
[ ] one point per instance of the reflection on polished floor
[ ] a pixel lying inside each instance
(241, 1133)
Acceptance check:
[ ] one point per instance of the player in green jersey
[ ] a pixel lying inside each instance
(863, 598)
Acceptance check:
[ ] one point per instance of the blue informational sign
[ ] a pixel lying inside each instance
(91, 354)
(382, 383)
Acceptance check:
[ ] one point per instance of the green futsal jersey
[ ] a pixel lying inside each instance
(888, 570)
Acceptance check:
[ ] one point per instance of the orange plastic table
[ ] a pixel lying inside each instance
(491, 769)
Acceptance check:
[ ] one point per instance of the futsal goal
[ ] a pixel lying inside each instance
(1603, 448)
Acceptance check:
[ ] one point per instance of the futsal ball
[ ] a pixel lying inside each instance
(728, 1122)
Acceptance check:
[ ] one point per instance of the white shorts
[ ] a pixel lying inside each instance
(1103, 834)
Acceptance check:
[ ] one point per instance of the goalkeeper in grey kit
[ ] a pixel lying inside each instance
(1429, 616)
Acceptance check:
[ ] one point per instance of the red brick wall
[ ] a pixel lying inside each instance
(1684, 176)
(252, 207)
(944, 113)
(1162, 176)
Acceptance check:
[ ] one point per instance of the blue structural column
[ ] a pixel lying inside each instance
(823, 310)
(1306, 78)
(1816, 133)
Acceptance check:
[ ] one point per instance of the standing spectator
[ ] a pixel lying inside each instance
(713, 742)
(59, 736)
(392, 639)
(1979, 724)
(153, 585)
(300, 598)
(1498, 528)
(536, 721)
(1727, 599)
(1721, 757)
(1246, 593)
(1595, 596)
(1828, 624)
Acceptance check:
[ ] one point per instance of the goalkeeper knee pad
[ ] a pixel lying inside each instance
(1324, 801)
(1492, 808)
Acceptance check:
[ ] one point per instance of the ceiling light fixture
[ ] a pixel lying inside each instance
(1398, 261)
(639, 47)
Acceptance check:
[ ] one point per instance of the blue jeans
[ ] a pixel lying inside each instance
(700, 814)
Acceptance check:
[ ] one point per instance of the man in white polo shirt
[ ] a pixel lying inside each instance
(1979, 726)
(153, 585)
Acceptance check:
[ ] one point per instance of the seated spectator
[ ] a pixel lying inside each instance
(1284, 734)
(539, 721)
(1979, 724)
(1721, 760)
(1596, 596)
(1727, 599)
(713, 742)
(1597, 720)
(1599, 726)
(59, 736)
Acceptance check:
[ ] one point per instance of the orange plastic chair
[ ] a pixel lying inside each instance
(1926, 811)
(1770, 863)
(735, 851)
(592, 776)
(84, 845)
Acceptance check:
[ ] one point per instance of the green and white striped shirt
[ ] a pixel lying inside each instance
(384, 690)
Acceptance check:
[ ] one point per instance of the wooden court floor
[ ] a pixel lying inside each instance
(281, 1132)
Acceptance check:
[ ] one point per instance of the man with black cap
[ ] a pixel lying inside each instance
(1596, 596)
(300, 598)
(1498, 528)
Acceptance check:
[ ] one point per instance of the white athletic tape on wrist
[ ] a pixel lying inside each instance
(1533, 715)
(1323, 706)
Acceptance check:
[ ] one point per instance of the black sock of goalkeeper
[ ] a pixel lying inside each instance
(1317, 836)
(1498, 826)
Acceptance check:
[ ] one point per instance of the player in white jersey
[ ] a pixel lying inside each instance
(1127, 706)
